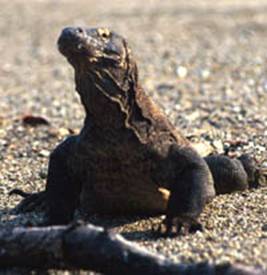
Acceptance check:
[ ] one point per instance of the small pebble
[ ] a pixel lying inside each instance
(181, 71)
(44, 153)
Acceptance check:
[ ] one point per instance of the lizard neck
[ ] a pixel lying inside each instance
(111, 103)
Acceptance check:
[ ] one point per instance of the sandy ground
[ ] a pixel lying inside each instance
(203, 62)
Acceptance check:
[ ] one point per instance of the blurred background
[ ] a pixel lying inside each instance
(215, 49)
(203, 62)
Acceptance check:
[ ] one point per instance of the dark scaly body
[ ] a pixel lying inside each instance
(128, 158)
(129, 155)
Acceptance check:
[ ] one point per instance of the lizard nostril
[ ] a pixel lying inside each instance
(79, 30)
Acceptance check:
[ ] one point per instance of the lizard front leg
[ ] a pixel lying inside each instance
(63, 186)
(61, 195)
(191, 187)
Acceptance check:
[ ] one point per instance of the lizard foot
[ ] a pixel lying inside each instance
(172, 227)
(30, 202)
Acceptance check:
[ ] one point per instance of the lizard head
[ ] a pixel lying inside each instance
(93, 47)
(105, 71)
(97, 52)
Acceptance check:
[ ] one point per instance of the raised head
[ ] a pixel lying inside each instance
(92, 46)
(96, 50)
(103, 65)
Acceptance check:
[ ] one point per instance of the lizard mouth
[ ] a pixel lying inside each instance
(74, 41)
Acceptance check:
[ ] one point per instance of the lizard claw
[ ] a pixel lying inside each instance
(30, 202)
(172, 227)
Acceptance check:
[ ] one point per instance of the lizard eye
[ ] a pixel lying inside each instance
(105, 33)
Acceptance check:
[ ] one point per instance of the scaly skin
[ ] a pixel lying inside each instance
(128, 158)
(235, 174)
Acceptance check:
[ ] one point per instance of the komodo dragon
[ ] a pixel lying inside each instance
(128, 158)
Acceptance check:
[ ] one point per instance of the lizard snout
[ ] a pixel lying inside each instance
(70, 33)
(71, 39)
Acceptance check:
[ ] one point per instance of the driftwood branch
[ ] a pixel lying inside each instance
(93, 248)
